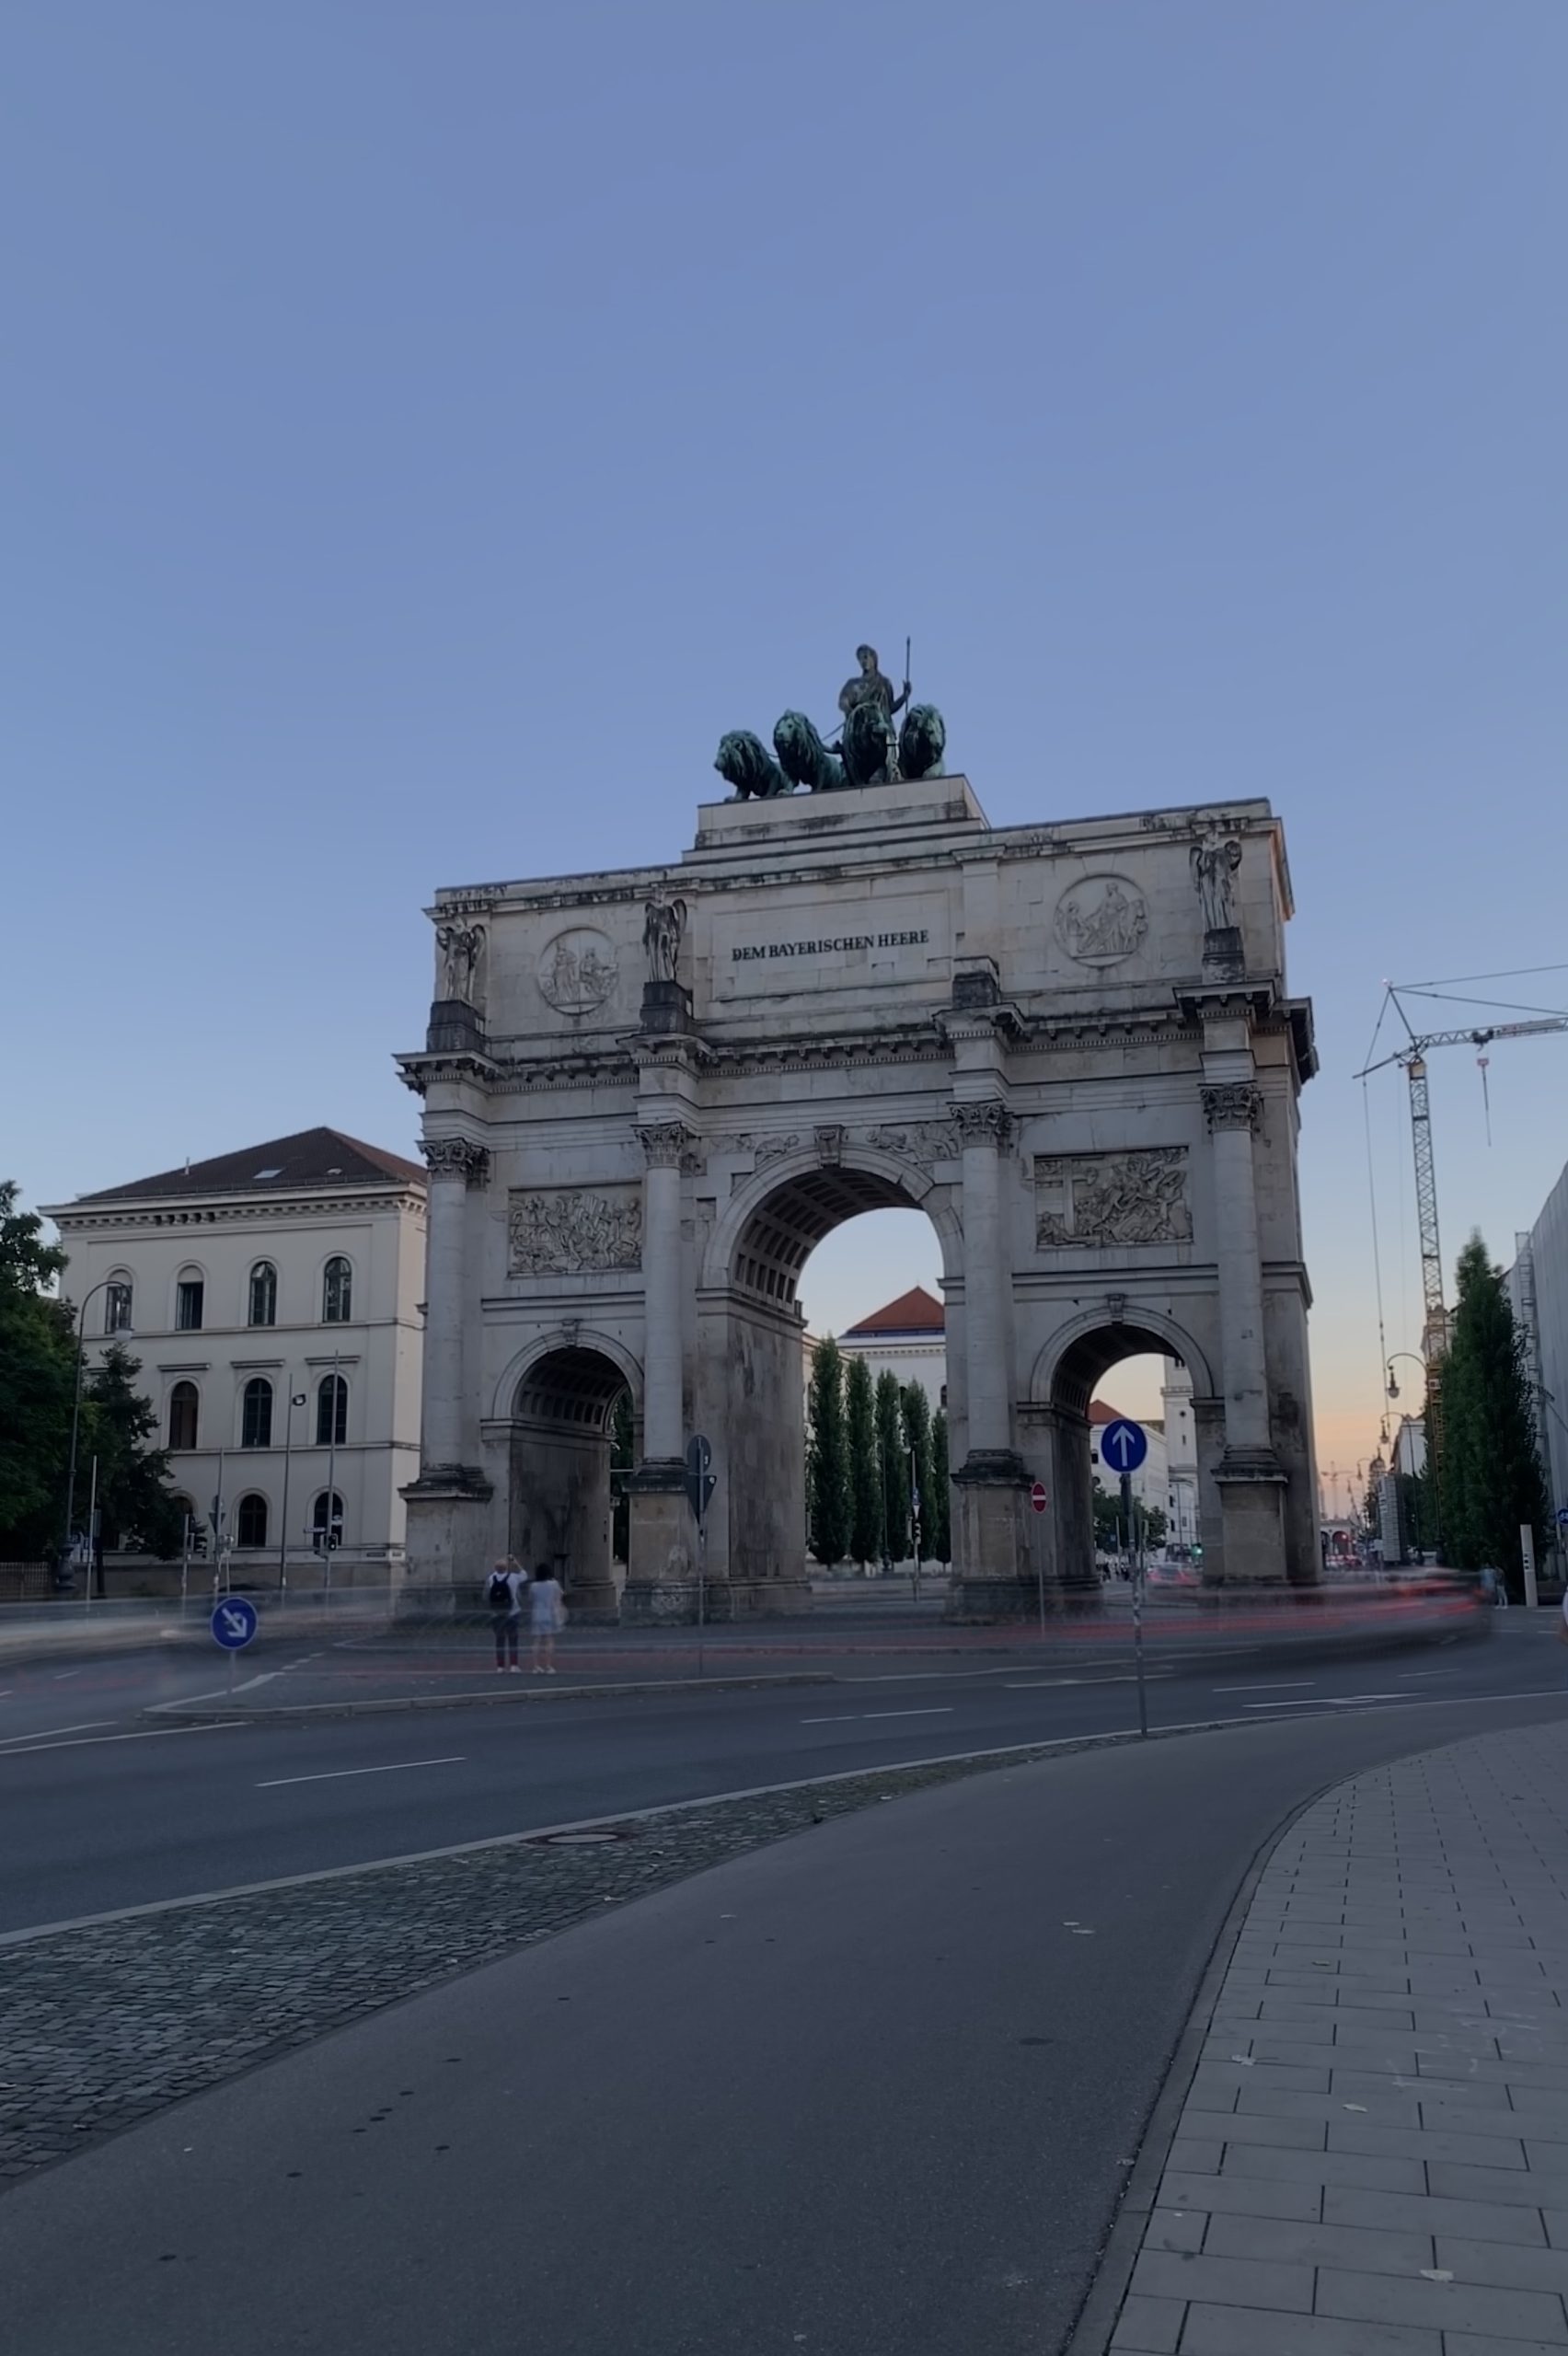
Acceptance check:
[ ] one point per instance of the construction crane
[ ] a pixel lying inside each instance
(1412, 1056)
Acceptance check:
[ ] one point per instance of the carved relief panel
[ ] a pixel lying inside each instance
(1138, 1196)
(574, 1230)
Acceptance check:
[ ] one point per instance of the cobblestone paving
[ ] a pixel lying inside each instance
(106, 2023)
(1373, 2156)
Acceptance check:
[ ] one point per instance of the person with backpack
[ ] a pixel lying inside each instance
(503, 1600)
(546, 1614)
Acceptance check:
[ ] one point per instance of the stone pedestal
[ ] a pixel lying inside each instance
(666, 1009)
(1252, 1503)
(994, 1576)
(443, 1569)
(660, 1581)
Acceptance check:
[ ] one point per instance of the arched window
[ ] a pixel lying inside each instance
(256, 1421)
(117, 1305)
(189, 1296)
(331, 1412)
(182, 1404)
(319, 1523)
(250, 1521)
(263, 1294)
(337, 1291)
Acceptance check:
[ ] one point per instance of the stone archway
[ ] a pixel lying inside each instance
(558, 1493)
(751, 1361)
(1066, 1375)
(1071, 1044)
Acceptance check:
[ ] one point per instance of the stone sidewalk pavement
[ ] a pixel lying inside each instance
(1373, 2156)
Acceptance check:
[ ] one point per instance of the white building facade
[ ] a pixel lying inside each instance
(1538, 1288)
(272, 1299)
(906, 1338)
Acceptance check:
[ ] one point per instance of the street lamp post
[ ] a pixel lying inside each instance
(294, 1399)
(102, 1286)
(1393, 1387)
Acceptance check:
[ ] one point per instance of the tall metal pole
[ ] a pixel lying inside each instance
(290, 1400)
(331, 1482)
(77, 1412)
(92, 1533)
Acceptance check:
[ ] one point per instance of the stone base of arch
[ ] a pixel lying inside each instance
(448, 1517)
(993, 1575)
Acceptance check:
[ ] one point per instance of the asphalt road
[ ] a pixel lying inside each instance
(869, 2092)
(101, 1806)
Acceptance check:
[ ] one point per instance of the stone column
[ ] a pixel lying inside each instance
(661, 1571)
(1248, 1476)
(454, 1164)
(446, 1539)
(991, 1557)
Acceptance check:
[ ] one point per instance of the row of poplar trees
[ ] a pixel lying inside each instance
(872, 1450)
(1489, 1474)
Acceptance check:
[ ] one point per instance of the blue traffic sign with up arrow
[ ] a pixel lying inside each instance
(233, 1622)
(1124, 1445)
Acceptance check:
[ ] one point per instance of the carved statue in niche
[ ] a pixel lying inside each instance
(663, 923)
(572, 1230)
(1139, 1196)
(460, 948)
(1214, 860)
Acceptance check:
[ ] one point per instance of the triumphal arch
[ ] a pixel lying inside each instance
(649, 1092)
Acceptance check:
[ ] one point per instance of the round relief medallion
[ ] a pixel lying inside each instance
(577, 971)
(1100, 921)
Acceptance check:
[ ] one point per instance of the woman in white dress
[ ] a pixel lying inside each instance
(546, 1613)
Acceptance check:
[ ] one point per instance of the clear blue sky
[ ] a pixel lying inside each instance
(425, 428)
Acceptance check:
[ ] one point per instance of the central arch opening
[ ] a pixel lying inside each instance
(565, 1414)
(1125, 1372)
(779, 1310)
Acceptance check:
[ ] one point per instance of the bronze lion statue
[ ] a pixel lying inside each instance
(867, 746)
(744, 762)
(804, 757)
(922, 741)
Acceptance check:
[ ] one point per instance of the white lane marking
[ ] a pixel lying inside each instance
(1123, 1677)
(84, 1725)
(142, 1734)
(1332, 1702)
(1272, 1685)
(335, 1774)
(62, 1674)
(859, 1717)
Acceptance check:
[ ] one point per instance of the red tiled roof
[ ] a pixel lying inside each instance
(913, 1312)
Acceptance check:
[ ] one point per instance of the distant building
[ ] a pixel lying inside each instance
(273, 1299)
(1537, 1288)
(1181, 1456)
(908, 1338)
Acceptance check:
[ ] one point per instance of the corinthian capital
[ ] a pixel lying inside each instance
(989, 1123)
(664, 1144)
(1233, 1104)
(455, 1158)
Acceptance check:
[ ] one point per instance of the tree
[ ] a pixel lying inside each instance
(37, 1374)
(865, 1467)
(827, 1456)
(1489, 1474)
(917, 1445)
(135, 1502)
(891, 1470)
(1110, 1535)
(623, 1456)
(940, 1544)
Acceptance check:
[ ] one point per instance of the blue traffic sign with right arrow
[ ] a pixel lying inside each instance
(1124, 1445)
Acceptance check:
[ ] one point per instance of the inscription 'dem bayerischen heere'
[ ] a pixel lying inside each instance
(835, 946)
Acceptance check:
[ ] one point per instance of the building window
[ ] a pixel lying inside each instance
(318, 1521)
(337, 1292)
(188, 1300)
(255, 1420)
(263, 1294)
(331, 1412)
(251, 1522)
(182, 1415)
(117, 1306)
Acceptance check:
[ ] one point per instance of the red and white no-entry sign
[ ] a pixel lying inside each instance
(1037, 1497)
